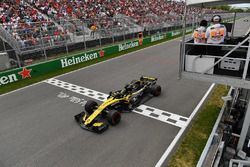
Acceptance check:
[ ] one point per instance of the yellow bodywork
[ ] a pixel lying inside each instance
(110, 101)
(149, 78)
(97, 124)
(105, 104)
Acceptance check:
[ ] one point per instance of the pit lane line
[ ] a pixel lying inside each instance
(148, 111)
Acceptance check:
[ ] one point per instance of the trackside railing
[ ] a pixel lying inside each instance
(213, 134)
(239, 163)
(9, 39)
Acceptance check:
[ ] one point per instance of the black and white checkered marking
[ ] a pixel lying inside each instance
(148, 111)
(78, 89)
(161, 115)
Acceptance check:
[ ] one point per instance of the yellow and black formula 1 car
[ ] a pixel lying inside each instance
(97, 118)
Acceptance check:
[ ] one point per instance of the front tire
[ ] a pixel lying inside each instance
(114, 117)
(90, 106)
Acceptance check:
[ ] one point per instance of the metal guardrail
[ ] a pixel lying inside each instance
(240, 163)
(213, 133)
(9, 39)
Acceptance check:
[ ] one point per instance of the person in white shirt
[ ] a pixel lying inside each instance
(216, 33)
(199, 34)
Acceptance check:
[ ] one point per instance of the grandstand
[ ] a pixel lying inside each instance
(35, 29)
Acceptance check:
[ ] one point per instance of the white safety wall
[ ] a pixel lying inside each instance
(193, 2)
(215, 2)
(4, 61)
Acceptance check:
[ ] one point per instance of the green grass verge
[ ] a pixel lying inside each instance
(193, 143)
(26, 82)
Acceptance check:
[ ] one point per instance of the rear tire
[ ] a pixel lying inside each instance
(114, 117)
(90, 106)
(156, 90)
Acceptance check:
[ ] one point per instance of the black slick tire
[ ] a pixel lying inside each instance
(156, 90)
(90, 106)
(113, 117)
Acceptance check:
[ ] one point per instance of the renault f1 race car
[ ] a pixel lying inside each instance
(96, 118)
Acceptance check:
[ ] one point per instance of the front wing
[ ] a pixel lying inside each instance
(97, 127)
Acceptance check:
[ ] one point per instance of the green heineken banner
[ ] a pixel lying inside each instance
(18, 74)
(189, 30)
(157, 37)
(176, 33)
(128, 45)
(169, 35)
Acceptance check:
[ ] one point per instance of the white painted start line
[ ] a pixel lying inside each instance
(144, 110)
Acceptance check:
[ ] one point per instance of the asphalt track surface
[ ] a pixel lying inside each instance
(243, 27)
(37, 128)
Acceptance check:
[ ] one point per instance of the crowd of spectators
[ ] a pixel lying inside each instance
(96, 9)
(28, 20)
(144, 12)
(27, 25)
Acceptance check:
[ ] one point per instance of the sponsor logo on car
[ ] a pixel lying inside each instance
(76, 60)
(128, 45)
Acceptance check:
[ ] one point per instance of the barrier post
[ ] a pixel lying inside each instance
(83, 35)
(18, 60)
(123, 30)
(4, 47)
(112, 31)
(65, 40)
(43, 46)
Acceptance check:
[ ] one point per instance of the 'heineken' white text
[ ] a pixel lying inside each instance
(176, 33)
(8, 79)
(128, 45)
(157, 38)
(76, 60)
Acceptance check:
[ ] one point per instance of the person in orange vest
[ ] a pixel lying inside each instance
(93, 29)
(199, 34)
(140, 38)
(216, 33)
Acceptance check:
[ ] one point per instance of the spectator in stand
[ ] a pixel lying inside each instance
(23, 22)
(93, 29)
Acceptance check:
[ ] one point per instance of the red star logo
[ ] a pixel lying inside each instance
(101, 53)
(25, 73)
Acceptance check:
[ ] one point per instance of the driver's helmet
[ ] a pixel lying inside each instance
(128, 88)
